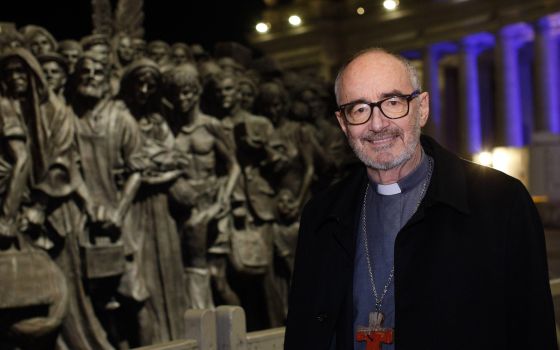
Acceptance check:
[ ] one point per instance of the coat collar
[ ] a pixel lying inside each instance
(448, 184)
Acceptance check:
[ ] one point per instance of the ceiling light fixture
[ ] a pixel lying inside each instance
(295, 20)
(262, 27)
(391, 5)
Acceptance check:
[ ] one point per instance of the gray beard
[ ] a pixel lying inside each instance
(400, 159)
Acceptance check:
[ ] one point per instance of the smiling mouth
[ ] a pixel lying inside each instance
(381, 140)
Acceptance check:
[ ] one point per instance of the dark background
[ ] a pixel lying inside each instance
(192, 21)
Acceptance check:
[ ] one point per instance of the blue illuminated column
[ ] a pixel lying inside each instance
(547, 63)
(510, 118)
(432, 55)
(470, 123)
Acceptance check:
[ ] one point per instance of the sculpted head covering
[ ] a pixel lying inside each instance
(38, 82)
(135, 68)
(140, 64)
(54, 57)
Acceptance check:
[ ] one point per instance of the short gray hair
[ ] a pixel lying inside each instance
(410, 69)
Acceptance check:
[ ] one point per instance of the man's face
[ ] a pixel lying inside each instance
(186, 97)
(40, 44)
(92, 79)
(144, 87)
(55, 74)
(157, 54)
(178, 56)
(139, 48)
(16, 77)
(227, 93)
(125, 50)
(72, 56)
(381, 143)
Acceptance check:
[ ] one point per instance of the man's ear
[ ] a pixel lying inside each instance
(341, 122)
(424, 108)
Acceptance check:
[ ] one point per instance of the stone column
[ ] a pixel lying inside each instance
(509, 104)
(470, 122)
(547, 69)
(431, 83)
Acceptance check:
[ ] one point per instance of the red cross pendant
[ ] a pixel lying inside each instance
(375, 335)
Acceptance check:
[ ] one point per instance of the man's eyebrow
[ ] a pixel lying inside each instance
(384, 95)
(359, 100)
(392, 93)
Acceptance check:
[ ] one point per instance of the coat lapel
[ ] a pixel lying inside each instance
(345, 211)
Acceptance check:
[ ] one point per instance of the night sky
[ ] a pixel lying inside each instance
(192, 21)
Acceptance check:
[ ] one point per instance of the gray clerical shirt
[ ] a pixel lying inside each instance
(386, 214)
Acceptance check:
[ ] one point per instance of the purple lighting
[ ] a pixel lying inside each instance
(472, 46)
(433, 55)
(512, 38)
(548, 43)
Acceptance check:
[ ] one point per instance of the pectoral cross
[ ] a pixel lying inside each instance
(375, 334)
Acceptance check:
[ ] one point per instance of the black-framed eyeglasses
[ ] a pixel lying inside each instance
(393, 107)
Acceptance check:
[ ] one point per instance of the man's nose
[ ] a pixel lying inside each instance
(378, 121)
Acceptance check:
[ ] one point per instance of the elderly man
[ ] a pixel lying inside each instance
(109, 143)
(417, 249)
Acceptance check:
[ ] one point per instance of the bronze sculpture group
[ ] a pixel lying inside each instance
(150, 179)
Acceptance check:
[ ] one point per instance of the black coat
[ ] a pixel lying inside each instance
(470, 265)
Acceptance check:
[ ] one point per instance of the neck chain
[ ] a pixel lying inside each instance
(379, 299)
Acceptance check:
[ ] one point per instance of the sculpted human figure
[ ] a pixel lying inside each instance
(158, 51)
(124, 50)
(251, 134)
(161, 317)
(100, 46)
(181, 53)
(38, 133)
(56, 73)
(38, 39)
(203, 193)
(71, 50)
(139, 47)
(109, 141)
(309, 107)
(292, 145)
(249, 91)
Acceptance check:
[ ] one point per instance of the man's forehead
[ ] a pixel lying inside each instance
(377, 71)
(376, 63)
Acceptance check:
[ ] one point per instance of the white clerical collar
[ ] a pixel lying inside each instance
(388, 190)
